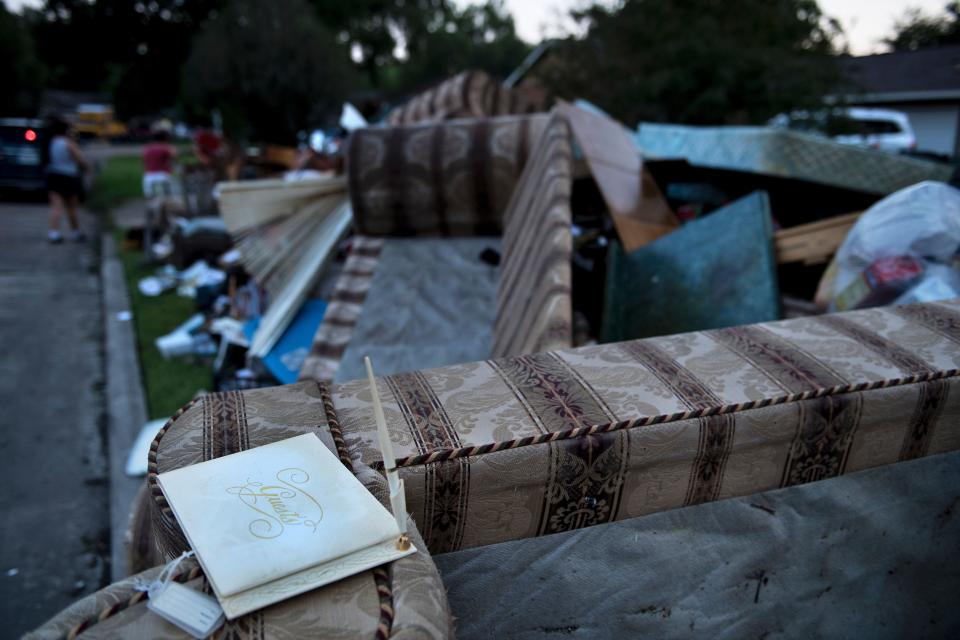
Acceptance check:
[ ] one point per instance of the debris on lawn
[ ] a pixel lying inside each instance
(670, 228)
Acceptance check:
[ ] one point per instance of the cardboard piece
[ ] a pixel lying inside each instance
(640, 212)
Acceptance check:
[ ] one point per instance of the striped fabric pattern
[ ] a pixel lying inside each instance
(557, 440)
(343, 311)
(533, 300)
(447, 179)
(539, 443)
(471, 94)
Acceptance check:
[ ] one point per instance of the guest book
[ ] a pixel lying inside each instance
(272, 522)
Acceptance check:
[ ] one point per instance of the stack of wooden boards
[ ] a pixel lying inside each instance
(285, 232)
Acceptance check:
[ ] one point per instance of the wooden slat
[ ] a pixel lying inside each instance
(249, 204)
(813, 243)
(287, 301)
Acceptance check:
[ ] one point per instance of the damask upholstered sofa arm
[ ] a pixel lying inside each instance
(404, 599)
(546, 442)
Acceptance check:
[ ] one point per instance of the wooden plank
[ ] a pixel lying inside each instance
(288, 300)
(813, 243)
(248, 204)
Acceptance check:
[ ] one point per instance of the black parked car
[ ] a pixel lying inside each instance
(21, 154)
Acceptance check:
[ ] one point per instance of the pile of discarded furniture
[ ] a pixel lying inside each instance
(581, 346)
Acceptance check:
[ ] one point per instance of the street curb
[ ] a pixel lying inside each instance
(126, 403)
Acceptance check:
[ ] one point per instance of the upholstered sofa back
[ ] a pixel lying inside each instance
(447, 178)
(465, 177)
(552, 441)
(470, 94)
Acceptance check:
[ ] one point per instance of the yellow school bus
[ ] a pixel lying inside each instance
(96, 121)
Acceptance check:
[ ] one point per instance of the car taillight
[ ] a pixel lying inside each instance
(30, 135)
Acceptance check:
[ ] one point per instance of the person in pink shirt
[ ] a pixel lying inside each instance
(158, 159)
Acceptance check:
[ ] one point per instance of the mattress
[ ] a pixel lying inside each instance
(787, 154)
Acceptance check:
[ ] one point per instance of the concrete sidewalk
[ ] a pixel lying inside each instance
(55, 530)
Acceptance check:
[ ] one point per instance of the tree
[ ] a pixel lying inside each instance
(21, 75)
(376, 30)
(132, 50)
(480, 36)
(699, 61)
(399, 44)
(917, 30)
(271, 69)
(135, 50)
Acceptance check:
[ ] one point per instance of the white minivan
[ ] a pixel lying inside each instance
(883, 129)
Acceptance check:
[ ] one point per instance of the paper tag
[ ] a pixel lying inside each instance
(193, 611)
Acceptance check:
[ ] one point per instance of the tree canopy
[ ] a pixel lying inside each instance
(270, 68)
(273, 68)
(917, 30)
(136, 50)
(132, 50)
(699, 61)
(21, 75)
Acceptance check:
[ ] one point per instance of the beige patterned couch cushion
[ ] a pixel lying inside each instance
(450, 178)
(411, 596)
(534, 311)
(471, 94)
(463, 178)
(525, 446)
(548, 442)
(406, 601)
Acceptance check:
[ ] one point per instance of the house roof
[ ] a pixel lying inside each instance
(923, 74)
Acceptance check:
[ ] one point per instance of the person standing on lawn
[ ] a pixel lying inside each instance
(158, 159)
(65, 169)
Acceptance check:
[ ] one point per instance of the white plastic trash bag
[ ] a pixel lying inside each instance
(921, 221)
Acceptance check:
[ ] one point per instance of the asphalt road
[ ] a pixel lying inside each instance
(54, 529)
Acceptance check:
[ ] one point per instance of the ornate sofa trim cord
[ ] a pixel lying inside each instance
(442, 455)
(138, 596)
(518, 447)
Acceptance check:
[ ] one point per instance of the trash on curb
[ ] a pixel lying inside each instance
(181, 340)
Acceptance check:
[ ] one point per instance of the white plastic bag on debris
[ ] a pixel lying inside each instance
(186, 339)
(199, 274)
(922, 221)
(351, 118)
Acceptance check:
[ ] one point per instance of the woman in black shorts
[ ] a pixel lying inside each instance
(64, 171)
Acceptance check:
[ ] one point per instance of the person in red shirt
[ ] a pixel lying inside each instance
(206, 144)
(158, 159)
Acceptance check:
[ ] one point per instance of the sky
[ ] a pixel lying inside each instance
(865, 22)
